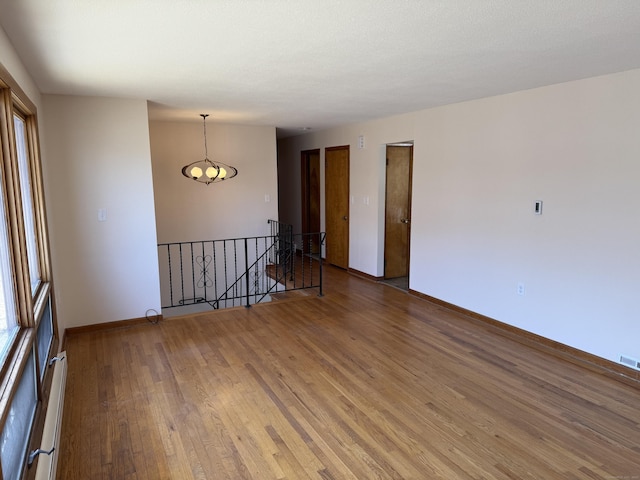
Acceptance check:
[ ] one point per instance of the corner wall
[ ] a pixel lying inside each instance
(96, 156)
(478, 168)
(12, 63)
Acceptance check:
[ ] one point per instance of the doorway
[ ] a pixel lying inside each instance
(310, 187)
(397, 232)
(336, 174)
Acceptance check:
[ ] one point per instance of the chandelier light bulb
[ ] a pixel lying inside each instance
(211, 172)
(196, 172)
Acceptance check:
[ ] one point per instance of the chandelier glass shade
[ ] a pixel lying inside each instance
(206, 171)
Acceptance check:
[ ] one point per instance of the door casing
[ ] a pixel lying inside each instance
(310, 188)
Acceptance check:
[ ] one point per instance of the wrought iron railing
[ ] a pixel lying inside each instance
(239, 271)
(283, 244)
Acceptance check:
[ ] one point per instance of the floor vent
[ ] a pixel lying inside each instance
(630, 362)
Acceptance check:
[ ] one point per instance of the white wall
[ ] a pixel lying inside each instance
(478, 168)
(12, 63)
(366, 181)
(188, 210)
(96, 156)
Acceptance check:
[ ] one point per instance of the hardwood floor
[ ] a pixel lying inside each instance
(367, 382)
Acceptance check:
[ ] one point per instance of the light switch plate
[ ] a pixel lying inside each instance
(537, 208)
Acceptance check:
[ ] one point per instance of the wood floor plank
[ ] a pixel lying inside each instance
(366, 382)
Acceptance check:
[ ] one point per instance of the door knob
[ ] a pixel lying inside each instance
(405, 221)
(345, 218)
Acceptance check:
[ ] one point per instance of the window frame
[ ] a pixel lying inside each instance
(30, 306)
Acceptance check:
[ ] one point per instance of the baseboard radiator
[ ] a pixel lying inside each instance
(48, 452)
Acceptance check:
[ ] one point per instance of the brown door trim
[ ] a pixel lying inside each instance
(310, 197)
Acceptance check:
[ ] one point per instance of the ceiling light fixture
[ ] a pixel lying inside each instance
(205, 171)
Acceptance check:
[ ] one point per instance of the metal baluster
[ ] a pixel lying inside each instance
(320, 262)
(246, 264)
(170, 275)
(181, 272)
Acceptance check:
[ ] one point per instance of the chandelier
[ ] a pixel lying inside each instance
(205, 171)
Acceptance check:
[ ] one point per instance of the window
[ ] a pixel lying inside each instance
(8, 319)
(28, 211)
(27, 316)
(45, 337)
(14, 438)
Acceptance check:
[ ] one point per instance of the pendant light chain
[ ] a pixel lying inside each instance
(204, 124)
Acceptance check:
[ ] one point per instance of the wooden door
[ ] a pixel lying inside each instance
(310, 183)
(336, 174)
(397, 211)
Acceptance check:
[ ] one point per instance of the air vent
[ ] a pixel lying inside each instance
(630, 362)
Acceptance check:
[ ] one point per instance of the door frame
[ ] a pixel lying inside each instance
(306, 191)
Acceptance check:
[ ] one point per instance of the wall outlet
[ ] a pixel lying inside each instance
(521, 289)
(630, 362)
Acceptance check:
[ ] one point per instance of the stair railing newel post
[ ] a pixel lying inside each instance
(170, 274)
(246, 264)
(204, 271)
(181, 273)
(292, 249)
(320, 294)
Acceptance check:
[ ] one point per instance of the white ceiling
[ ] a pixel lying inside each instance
(315, 63)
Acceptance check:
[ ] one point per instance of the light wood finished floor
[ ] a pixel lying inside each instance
(367, 382)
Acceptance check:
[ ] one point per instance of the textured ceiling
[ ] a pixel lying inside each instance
(315, 63)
